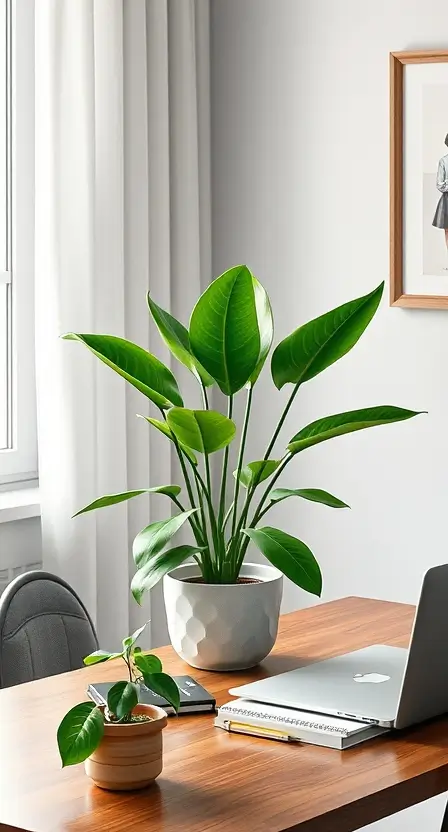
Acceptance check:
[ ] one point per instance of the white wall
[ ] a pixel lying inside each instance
(20, 548)
(300, 130)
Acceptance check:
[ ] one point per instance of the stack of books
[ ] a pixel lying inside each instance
(194, 698)
(289, 724)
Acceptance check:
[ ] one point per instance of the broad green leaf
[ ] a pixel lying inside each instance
(290, 555)
(316, 495)
(148, 663)
(130, 640)
(165, 686)
(341, 423)
(177, 339)
(319, 343)
(203, 430)
(151, 540)
(100, 656)
(113, 499)
(155, 567)
(224, 334)
(259, 471)
(141, 369)
(265, 327)
(122, 699)
(80, 733)
(163, 428)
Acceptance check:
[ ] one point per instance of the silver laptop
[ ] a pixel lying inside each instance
(389, 686)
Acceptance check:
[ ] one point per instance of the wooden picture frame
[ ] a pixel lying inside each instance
(398, 295)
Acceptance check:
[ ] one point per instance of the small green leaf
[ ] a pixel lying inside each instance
(148, 663)
(259, 471)
(80, 733)
(265, 327)
(177, 339)
(342, 423)
(141, 369)
(151, 540)
(206, 431)
(163, 428)
(113, 499)
(319, 343)
(224, 334)
(130, 640)
(122, 699)
(157, 566)
(100, 656)
(316, 495)
(165, 686)
(290, 555)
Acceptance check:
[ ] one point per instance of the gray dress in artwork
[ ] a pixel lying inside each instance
(441, 216)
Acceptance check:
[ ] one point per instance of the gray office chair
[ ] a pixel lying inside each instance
(44, 629)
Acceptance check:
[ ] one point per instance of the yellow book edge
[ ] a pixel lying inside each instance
(258, 731)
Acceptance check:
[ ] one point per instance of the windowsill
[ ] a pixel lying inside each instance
(19, 504)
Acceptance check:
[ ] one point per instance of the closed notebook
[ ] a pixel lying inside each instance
(193, 697)
(289, 724)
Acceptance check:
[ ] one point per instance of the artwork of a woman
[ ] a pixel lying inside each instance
(441, 216)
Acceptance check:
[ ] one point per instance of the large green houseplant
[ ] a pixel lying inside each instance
(227, 343)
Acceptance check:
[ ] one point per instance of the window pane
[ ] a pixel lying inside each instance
(3, 368)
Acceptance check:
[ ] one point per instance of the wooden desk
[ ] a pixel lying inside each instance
(217, 781)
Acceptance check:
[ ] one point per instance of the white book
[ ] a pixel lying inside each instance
(274, 722)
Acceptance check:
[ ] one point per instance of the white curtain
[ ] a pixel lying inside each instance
(122, 205)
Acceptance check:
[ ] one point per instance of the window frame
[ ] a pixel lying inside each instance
(18, 463)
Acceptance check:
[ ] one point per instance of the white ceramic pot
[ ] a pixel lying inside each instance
(223, 626)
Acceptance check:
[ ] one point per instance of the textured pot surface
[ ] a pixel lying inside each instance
(223, 626)
(129, 756)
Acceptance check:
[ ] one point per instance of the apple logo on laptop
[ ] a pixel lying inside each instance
(373, 678)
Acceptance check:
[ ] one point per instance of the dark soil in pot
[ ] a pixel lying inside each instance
(239, 581)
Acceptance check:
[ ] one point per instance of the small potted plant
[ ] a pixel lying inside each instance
(223, 611)
(120, 744)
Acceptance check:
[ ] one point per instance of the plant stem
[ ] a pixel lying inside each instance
(207, 566)
(184, 472)
(251, 490)
(262, 513)
(204, 396)
(279, 471)
(225, 463)
(206, 492)
(128, 662)
(211, 511)
(178, 503)
(281, 421)
(199, 531)
(259, 512)
(193, 522)
(227, 516)
(208, 488)
(241, 457)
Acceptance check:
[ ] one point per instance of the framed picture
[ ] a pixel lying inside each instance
(419, 179)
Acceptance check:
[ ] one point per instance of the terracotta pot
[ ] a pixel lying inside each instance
(129, 756)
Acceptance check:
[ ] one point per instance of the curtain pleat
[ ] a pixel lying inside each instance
(122, 207)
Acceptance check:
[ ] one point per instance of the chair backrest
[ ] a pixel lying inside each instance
(44, 629)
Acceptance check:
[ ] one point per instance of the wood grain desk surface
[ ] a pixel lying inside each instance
(217, 781)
